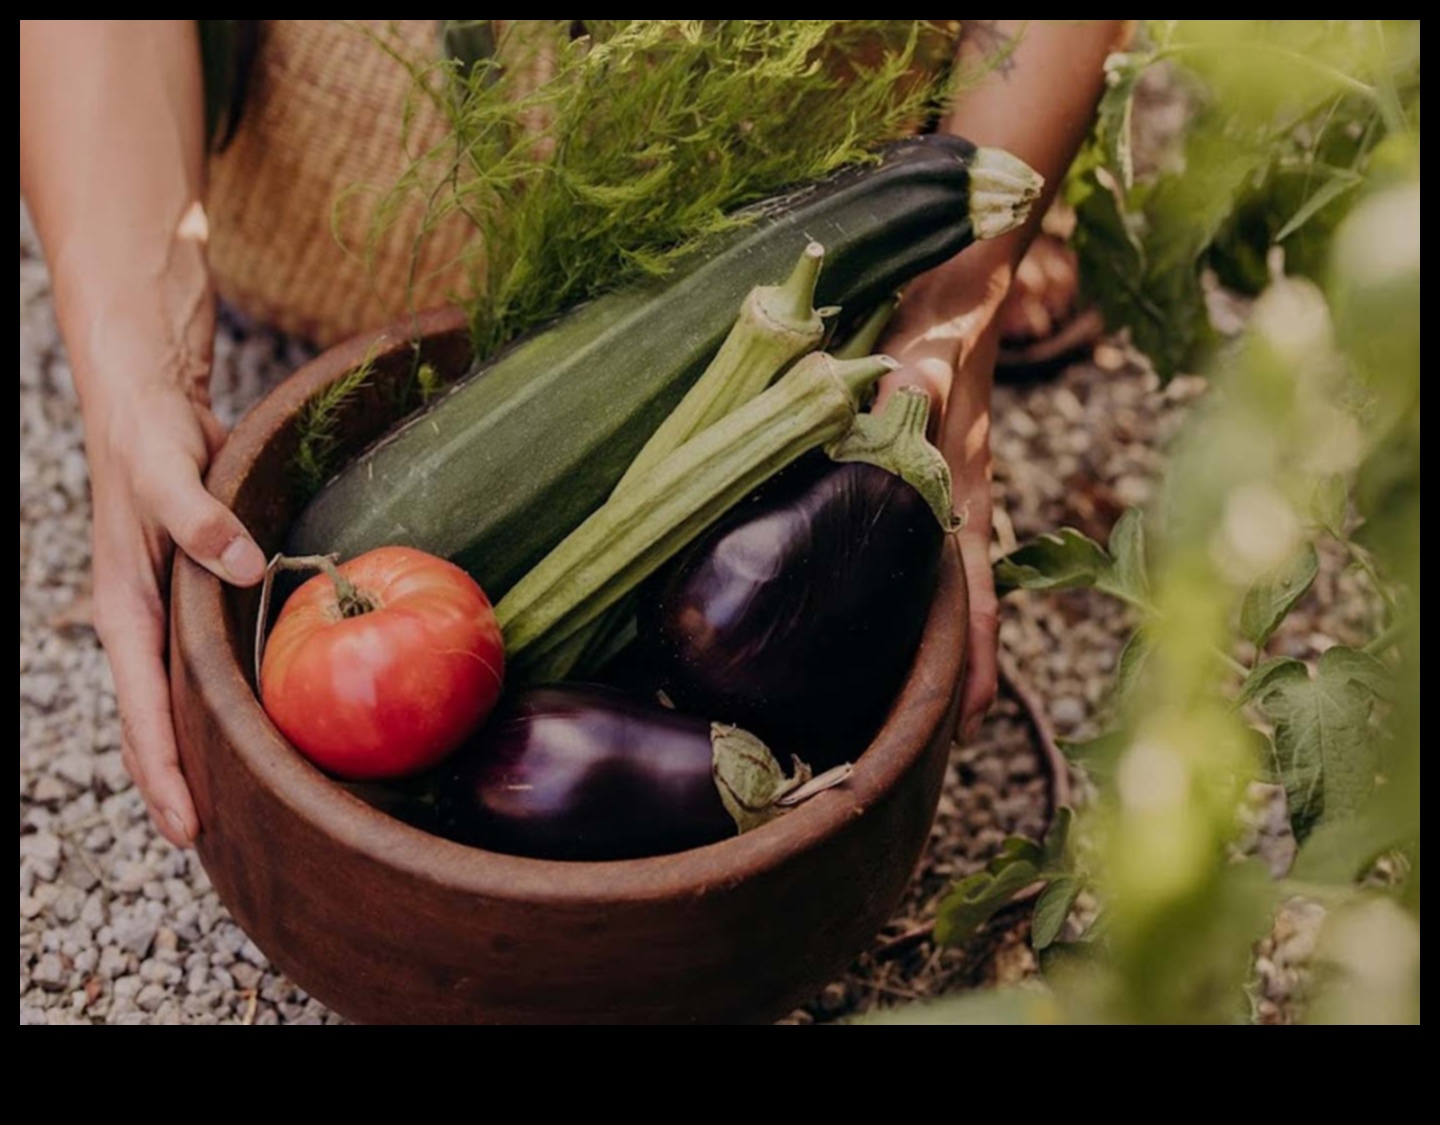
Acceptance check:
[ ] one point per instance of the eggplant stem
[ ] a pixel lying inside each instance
(822, 784)
(353, 601)
(896, 442)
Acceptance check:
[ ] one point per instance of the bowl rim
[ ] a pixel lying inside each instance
(928, 702)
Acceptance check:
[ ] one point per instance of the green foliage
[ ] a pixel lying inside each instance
(1312, 431)
(1022, 867)
(1067, 560)
(1325, 748)
(644, 142)
(316, 454)
(1053, 911)
(1288, 122)
(1271, 600)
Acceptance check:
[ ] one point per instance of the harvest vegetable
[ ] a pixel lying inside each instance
(646, 525)
(586, 774)
(382, 668)
(798, 617)
(494, 475)
(777, 326)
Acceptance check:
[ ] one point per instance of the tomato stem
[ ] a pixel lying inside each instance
(353, 601)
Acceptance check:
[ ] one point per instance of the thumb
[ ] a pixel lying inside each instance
(208, 531)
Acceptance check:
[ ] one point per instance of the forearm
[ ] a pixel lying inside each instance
(112, 159)
(1037, 102)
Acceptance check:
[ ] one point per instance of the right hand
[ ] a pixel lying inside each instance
(149, 448)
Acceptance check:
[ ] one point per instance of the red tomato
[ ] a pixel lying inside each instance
(396, 681)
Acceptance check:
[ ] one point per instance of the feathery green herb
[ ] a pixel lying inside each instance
(643, 141)
(318, 427)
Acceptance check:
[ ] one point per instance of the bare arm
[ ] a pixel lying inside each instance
(1038, 105)
(112, 159)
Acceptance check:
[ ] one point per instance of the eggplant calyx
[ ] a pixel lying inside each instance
(895, 441)
(754, 786)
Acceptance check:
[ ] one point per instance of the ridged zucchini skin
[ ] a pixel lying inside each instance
(501, 469)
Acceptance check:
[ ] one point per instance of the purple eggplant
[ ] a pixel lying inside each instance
(799, 616)
(588, 774)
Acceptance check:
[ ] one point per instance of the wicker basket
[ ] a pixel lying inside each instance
(327, 113)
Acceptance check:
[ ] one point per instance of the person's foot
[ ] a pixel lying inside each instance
(1043, 297)
(1042, 321)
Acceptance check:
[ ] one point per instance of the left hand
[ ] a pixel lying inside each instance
(946, 336)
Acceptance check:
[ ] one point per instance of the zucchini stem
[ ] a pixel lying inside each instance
(1003, 190)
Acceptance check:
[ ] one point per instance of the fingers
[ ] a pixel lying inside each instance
(132, 628)
(201, 526)
(982, 677)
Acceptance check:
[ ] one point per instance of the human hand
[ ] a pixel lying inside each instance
(946, 336)
(149, 445)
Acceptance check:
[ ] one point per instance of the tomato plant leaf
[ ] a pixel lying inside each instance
(1056, 858)
(1267, 675)
(1271, 600)
(1065, 560)
(1099, 756)
(1133, 662)
(1342, 851)
(979, 898)
(1053, 911)
(1015, 850)
(1326, 751)
(1129, 576)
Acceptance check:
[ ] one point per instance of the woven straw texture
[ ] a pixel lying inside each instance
(327, 113)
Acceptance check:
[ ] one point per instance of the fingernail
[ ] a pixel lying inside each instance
(177, 825)
(243, 562)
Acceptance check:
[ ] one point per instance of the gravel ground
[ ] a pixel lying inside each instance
(117, 927)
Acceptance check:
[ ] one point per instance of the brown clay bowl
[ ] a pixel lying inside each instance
(388, 925)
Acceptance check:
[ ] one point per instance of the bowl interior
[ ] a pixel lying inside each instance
(256, 475)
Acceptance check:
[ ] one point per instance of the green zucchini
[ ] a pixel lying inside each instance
(498, 472)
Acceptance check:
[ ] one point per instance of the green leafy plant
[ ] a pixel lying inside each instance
(642, 141)
(1310, 433)
(1288, 122)
(318, 426)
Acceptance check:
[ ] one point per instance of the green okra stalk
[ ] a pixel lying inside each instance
(645, 526)
(778, 324)
(865, 339)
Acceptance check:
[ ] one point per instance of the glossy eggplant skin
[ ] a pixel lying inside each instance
(589, 775)
(799, 616)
